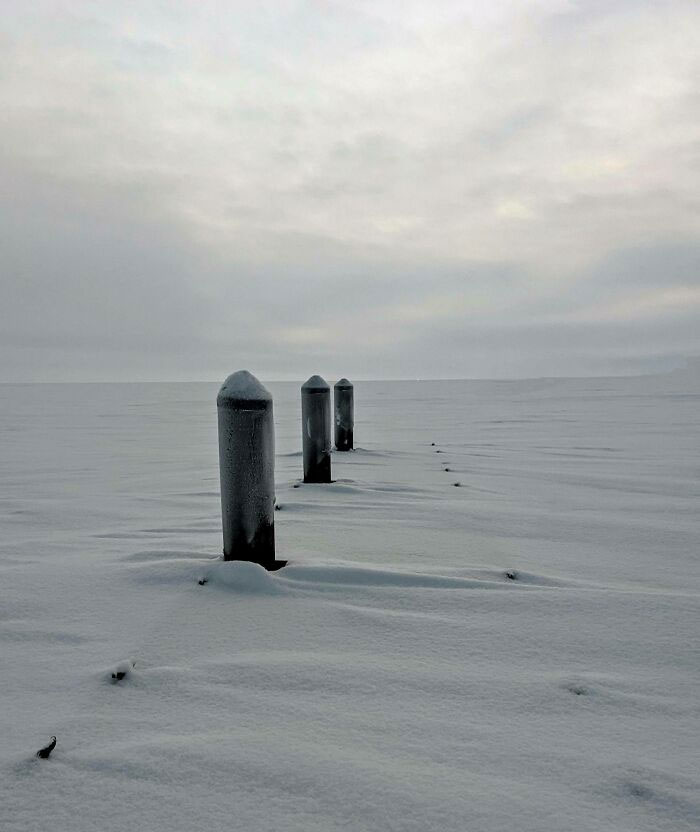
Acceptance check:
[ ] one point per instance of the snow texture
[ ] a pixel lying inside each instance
(315, 383)
(243, 386)
(241, 577)
(515, 655)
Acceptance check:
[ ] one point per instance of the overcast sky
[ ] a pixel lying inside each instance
(377, 189)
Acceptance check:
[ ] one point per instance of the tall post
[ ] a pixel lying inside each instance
(316, 429)
(247, 470)
(343, 397)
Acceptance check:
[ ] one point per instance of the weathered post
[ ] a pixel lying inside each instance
(316, 429)
(247, 470)
(344, 406)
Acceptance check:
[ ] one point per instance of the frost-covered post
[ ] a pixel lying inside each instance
(247, 469)
(316, 429)
(344, 406)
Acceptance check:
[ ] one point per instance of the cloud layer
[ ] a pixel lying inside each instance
(371, 189)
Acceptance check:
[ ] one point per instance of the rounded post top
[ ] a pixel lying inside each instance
(315, 385)
(344, 384)
(243, 390)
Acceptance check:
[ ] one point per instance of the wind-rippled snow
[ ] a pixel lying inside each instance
(519, 653)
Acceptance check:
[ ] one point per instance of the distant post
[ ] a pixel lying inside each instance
(344, 406)
(316, 429)
(247, 470)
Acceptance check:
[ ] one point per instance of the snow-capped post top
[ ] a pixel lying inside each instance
(344, 412)
(247, 470)
(316, 429)
(315, 384)
(243, 390)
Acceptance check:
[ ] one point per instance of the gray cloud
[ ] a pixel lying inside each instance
(356, 188)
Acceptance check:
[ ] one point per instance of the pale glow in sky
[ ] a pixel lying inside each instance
(371, 189)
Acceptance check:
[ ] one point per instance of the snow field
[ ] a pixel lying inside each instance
(517, 653)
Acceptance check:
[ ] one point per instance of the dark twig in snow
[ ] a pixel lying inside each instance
(44, 753)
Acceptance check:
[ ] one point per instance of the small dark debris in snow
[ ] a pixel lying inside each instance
(121, 671)
(44, 753)
(296, 485)
(511, 574)
(578, 690)
(447, 470)
(432, 444)
(457, 484)
(640, 790)
(202, 581)
(278, 507)
(438, 451)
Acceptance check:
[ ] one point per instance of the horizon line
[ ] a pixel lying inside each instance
(360, 380)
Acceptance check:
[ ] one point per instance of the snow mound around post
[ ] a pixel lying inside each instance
(242, 576)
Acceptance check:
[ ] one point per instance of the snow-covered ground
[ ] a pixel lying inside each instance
(516, 652)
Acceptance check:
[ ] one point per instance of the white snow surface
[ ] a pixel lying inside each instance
(519, 653)
(244, 385)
